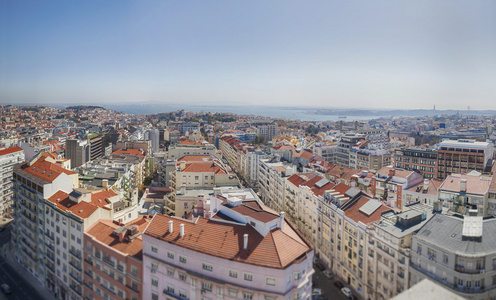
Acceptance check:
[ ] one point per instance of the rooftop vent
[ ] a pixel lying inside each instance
(472, 228)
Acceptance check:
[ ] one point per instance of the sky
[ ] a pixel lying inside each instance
(364, 54)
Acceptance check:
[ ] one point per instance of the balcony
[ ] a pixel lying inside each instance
(462, 269)
(75, 265)
(76, 277)
(108, 262)
(75, 253)
(76, 288)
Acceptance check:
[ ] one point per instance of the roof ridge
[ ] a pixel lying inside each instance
(275, 246)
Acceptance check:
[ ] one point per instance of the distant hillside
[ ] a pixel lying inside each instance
(84, 107)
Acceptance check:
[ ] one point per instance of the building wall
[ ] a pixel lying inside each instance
(179, 271)
(7, 162)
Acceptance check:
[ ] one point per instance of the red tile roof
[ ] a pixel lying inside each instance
(10, 150)
(101, 198)
(82, 209)
(276, 250)
(133, 152)
(353, 211)
(45, 170)
(103, 230)
(200, 166)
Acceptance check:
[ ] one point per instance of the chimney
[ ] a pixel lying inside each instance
(426, 184)
(181, 234)
(463, 185)
(245, 241)
(105, 183)
(182, 165)
(282, 220)
(171, 229)
(391, 173)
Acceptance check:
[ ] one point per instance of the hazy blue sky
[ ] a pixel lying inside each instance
(391, 54)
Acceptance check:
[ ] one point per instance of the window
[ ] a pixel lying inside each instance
(182, 294)
(154, 267)
(182, 259)
(170, 272)
(134, 271)
(207, 267)
(233, 292)
(233, 274)
(182, 277)
(170, 289)
(207, 286)
(170, 255)
(247, 296)
(154, 295)
(248, 277)
(270, 281)
(154, 281)
(445, 258)
(154, 249)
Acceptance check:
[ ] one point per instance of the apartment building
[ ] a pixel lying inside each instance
(66, 217)
(326, 151)
(271, 181)
(35, 181)
(113, 259)
(457, 252)
(8, 158)
(417, 159)
(389, 183)
(464, 192)
(425, 192)
(344, 147)
(368, 159)
(267, 129)
(388, 250)
(197, 172)
(302, 194)
(199, 148)
(463, 156)
(239, 250)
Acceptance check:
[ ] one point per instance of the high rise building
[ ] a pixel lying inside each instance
(77, 151)
(35, 181)
(463, 156)
(8, 158)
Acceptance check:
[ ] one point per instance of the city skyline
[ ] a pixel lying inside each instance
(382, 55)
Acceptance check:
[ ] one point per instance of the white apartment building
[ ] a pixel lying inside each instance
(271, 181)
(35, 181)
(8, 158)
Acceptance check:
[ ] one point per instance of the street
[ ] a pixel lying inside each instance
(329, 291)
(20, 284)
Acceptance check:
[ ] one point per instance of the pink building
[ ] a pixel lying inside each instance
(243, 250)
(113, 260)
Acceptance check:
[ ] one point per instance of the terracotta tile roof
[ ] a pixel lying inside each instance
(397, 172)
(190, 157)
(318, 191)
(10, 150)
(101, 198)
(201, 167)
(300, 178)
(341, 188)
(103, 230)
(46, 170)
(353, 211)
(431, 189)
(82, 209)
(276, 250)
(475, 184)
(133, 152)
(257, 214)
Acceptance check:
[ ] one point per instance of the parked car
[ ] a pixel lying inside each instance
(328, 274)
(316, 292)
(319, 297)
(320, 266)
(6, 288)
(346, 291)
(338, 284)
